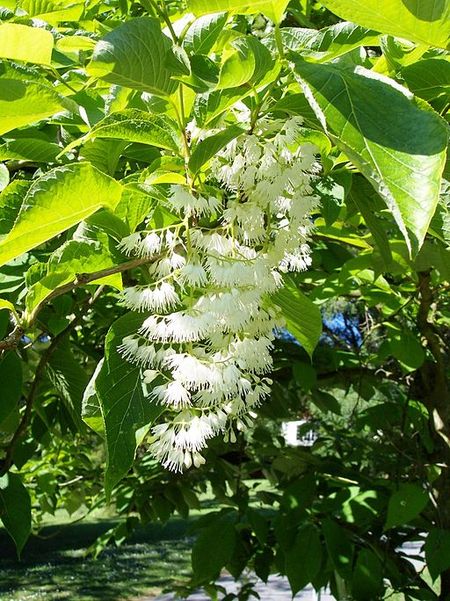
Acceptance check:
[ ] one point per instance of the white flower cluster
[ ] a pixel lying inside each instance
(205, 348)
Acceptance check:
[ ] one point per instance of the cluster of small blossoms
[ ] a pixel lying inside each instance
(205, 347)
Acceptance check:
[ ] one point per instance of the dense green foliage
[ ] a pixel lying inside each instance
(95, 102)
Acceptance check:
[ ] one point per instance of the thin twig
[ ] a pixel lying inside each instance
(85, 278)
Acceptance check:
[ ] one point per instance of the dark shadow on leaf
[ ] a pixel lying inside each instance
(426, 10)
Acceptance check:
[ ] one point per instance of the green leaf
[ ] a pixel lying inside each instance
(400, 151)
(274, 9)
(124, 401)
(90, 407)
(69, 378)
(428, 78)
(11, 378)
(135, 55)
(247, 62)
(103, 154)
(15, 509)
(238, 66)
(53, 11)
(360, 194)
(4, 176)
(339, 547)
(11, 200)
(66, 263)
(437, 551)
(133, 125)
(24, 102)
(208, 148)
(405, 504)
(203, 33)
(56, 201)
(424, 22)
(23, 43)
(212, 104)
(330, 42)
(29, 149)
(304, 559)
(407, 349)
(302, 316)
(367, 577)
(214, 548)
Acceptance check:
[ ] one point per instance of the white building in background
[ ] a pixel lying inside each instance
(296, 434)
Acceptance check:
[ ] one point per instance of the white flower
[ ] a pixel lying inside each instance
(193, 274)
(150, 245)
(182, 200)
(130, 243)
(173, 393)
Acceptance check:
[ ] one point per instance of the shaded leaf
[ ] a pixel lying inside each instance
(124, 401)
(207, 148)
(11, 379)
(302, 316)
(214, 548)
(304, 558)
(15, 509)
(437, 551)
(405, 504)
(69, 378)
(428, 78)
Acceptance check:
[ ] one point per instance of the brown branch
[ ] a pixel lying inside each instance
(39, 373)
(83, 279)
(12, 340)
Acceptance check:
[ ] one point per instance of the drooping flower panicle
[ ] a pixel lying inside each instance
(205, 347)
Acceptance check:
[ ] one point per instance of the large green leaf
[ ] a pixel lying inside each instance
(135, 55)
(428, 78)
(330, 42)
(401, 150)
(24, 102)
(29, 149)
(134, 125)
(69, 260)
(214, 547)
(304, 558)
(203, 33)
(56, 201)
(23, 43)
(53, 11)
(125, 405)
(11, 199)
(422, 21)
(208, 147)
(367, 577)
(437, 551)
(274, 9)
(405, 504)
(302, 316)
(69, 378)
(15, 509)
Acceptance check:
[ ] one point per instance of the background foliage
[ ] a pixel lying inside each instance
(95, 98)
